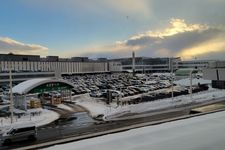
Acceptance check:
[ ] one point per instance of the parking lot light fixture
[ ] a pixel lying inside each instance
(171, 75)
(191, 84)
(11, 94)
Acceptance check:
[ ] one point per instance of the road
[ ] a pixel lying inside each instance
(205, 132)
(81, 124)
(85, 125)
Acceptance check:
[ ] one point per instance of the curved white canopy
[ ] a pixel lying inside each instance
(26, 86)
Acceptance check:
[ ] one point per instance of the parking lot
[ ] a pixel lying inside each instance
(126, 88)
(121, 84)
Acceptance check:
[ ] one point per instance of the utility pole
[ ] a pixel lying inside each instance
(11, 94)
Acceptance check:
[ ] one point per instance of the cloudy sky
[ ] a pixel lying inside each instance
(105, 28)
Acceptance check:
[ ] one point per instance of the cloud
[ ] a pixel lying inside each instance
(178, 38)
(8, 45)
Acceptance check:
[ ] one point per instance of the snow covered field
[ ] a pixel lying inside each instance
(198, 133)
(45, 117)
(112, 111)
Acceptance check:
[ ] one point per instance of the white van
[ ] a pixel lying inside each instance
(19, 133)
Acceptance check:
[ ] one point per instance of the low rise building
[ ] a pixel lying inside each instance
(148, 65)
(216, 73)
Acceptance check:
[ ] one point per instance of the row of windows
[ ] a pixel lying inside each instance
(65, 67)
(192, 63)
(147, 67)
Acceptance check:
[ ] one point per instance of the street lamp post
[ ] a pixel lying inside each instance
(171, 74)
(142, 65)
(11, 94)
(191, 84)
(133, 63)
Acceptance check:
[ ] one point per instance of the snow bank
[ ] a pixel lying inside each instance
(65, 107)
(94, 107)
(112, 111)
(161, 74)
(45, 117)
(166, 103)
(195, 81)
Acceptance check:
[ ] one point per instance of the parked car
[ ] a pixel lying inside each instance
(96, 94)
(19, 133)
(117, 93)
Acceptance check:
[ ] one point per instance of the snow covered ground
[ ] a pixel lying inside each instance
(195, 81)
(198, 133)
(45, 117)
(112, 111)
(63, 106)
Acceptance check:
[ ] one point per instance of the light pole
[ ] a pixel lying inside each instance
(191, 84)
(11, 94)
(133, 63)
(142, 65)
(171, 74)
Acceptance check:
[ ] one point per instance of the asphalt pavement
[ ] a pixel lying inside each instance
(81, 123)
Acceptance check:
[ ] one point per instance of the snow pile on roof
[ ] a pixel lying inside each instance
(23, 87)
(195, 81)
(26, 86)
(203, 132)
(45, 117)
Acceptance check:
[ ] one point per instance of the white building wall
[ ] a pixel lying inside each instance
(115, 66)
(221, 73)
(35, 66)
(39, 66)
(24, 65)
(210, 74)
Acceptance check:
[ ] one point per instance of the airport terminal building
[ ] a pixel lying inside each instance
(33, 66)
(166, 64)
(26, 67)
(148, 64)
